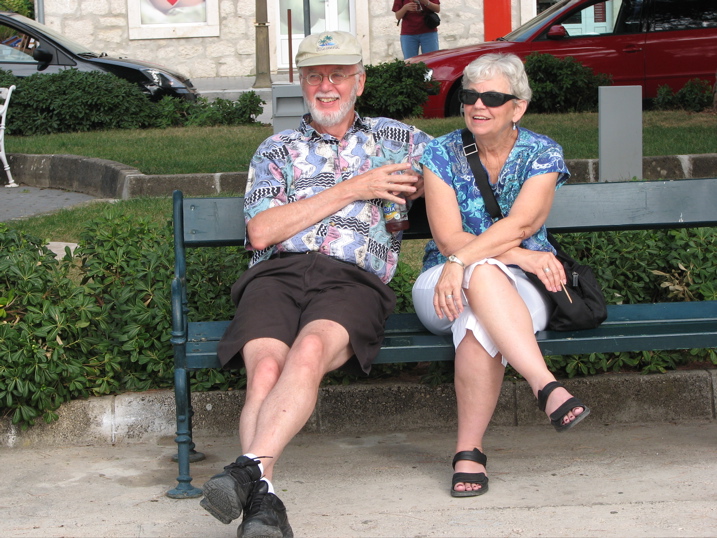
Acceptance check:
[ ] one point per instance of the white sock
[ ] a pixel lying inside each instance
(254, 457)
(271, 486)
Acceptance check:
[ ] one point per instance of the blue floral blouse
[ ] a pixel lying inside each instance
(533, 154)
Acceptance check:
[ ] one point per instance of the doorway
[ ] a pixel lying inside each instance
(323, 15)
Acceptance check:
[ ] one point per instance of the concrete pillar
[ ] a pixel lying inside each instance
(620, 132)
(263, 67)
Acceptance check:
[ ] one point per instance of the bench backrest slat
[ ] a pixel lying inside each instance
(577, 207)
(214, 221)
(635, 204)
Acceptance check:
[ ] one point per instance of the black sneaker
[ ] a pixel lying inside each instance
(265, 517)
(227, 493)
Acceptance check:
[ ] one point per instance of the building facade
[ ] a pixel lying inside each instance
(211, 39)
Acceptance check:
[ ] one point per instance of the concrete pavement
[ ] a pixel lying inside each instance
(598, 480)
(26, 201)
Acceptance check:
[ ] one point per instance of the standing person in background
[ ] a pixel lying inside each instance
(414, 32)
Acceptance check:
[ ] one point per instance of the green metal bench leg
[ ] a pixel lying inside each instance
(184, 489)
(194, 456)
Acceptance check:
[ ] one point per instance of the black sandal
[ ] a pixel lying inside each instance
(557, 416)
(470, 478)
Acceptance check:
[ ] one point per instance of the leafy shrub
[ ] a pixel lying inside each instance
(72, 101)
(100, 323)
(48, 329)
(665, 99)
(130, 264)
(562, 84)
(395, 90)
(669, 265)
(225, 112)
(69, 331)
(202, 113)
(23, 7)
(695, 95)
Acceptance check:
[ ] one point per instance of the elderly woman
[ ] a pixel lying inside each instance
(473, 282)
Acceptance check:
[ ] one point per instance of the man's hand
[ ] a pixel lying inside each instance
(394, 182)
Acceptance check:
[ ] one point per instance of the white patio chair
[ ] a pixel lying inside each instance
(5, 94)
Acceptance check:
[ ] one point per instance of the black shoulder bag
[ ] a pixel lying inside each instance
(581, 304)
(431, 19)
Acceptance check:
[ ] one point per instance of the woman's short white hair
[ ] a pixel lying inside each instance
(490, 66)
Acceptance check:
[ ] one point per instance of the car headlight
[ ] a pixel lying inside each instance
(429, 74)
(162, 79)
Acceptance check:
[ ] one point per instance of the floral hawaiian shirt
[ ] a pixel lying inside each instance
(297, 164)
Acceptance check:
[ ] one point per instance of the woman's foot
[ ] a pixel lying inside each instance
(470, 479)
(563, 409)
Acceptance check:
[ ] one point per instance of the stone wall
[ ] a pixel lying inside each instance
(102, 26)
(109, 179)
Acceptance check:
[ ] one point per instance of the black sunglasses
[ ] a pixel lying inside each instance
(490, 99)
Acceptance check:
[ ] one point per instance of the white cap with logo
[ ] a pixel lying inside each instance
(329, 48)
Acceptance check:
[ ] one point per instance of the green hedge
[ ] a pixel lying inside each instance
(562, 84)
(75, 101)
(100, 323)
(395, 90)
(696, 95)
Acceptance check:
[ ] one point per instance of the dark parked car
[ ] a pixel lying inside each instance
(28, 47)
(639, 42)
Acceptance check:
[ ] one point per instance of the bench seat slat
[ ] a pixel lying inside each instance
(639, 327)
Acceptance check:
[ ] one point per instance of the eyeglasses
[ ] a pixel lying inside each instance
(314, 79)
(490, 99)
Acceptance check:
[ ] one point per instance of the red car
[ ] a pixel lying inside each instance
(639, 42)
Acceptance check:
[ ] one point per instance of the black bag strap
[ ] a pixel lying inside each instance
(470, 150)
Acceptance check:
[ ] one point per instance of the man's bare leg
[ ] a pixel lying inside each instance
(320, 347)
(281, 395)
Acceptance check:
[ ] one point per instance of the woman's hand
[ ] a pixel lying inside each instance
(546, 266)
(448, 293)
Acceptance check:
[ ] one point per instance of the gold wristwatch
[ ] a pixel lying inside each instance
(455, 259)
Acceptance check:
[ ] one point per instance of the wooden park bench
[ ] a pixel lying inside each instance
(582, 207)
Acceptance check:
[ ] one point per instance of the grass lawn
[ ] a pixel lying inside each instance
(225, 149)
(191, 150)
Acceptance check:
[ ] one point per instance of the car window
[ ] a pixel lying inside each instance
(683, 15)
(631, 18)
(16, 46)
(606, 17)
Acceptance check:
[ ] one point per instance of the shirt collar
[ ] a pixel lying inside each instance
(309, 132)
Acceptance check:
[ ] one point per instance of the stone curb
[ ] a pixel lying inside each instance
(110, 179)
(376, 407)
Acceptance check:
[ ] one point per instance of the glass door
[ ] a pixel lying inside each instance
(323, 15)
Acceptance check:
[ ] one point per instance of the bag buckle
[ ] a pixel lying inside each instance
(474, 149)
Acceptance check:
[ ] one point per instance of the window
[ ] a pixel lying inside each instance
(683, 15)
(16, 46)
(161, 19)
(630, 20)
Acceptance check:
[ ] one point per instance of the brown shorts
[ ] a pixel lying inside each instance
(276, 298)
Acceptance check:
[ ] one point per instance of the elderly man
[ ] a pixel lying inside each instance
(315, 296)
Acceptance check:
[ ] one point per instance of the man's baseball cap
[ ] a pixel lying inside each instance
(329, 48)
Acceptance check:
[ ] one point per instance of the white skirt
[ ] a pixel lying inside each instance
(423, 291)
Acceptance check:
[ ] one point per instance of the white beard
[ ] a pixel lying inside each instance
(331, 119)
